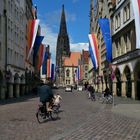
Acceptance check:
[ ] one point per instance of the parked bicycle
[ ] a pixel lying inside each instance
(42, 114)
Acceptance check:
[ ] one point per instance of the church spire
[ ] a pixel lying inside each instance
(63, 27)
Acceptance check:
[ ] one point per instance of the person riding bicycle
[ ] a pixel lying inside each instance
(106, 92)
(91, 92)
(46, 96)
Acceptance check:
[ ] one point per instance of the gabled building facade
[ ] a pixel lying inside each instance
(126, 58)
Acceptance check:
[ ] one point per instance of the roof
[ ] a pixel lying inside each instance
(73, 59)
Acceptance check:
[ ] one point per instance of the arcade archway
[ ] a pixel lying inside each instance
(137, 80)
(118, 83)
(127, 74)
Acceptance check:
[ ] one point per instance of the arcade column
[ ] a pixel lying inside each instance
(10, 90)
(123, 88)
(2, 91)
(133, 86)
(17, 90)
(114, 87)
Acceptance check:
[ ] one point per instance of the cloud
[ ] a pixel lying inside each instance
(50, 38)
(79, 46)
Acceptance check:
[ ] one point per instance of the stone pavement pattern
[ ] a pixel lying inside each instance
(80, 119)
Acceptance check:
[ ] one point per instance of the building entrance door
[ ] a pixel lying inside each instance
(138, 89)
(128, 82)
(118, 84)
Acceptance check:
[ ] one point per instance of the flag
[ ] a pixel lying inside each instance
(44, 65)
(136, 10)
(52, 71)
(41, 56)
(49, 68)
(93, 50)
(105, 28)
(78, 72)
(32, 34)
(37, 44)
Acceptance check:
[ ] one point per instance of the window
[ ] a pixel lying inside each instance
(126, 13)
(125, 43)
(116, 22)
(119, 20)
(67, 72)
(86, 68)
(85, 75)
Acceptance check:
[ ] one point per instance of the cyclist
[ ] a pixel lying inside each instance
(91, 92)
(46, 96)
(106, 92)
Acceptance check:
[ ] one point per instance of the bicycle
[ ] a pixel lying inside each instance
(42, 114)
(107, 99)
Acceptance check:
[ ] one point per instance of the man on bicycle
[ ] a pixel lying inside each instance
(46, 95)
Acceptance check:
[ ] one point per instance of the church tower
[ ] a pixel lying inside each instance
(63, 47)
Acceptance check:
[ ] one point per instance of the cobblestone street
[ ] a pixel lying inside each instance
(80, 119)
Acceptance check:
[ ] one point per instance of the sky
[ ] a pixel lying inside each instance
(77, 18)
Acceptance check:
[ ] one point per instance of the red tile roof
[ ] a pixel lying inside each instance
(73, 59)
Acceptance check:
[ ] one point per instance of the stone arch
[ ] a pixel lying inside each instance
(16, 78)
(137, 80)
(127, 80)
(118, 82)
(22, 79)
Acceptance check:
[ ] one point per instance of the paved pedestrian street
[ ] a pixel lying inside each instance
(79, 119)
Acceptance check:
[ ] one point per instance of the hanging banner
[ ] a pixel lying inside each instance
(52, 71)
(105, 28)
(49, 68)
(44, 65)
(32, 32)
(136, 10)
(93, 50)
(41, 56)
(37, 44)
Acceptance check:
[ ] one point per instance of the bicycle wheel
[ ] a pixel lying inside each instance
(40, 116)
(53, 115)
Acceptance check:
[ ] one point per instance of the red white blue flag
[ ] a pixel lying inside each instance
(93, 50)
(49, 68)
(136, 9)
(32, 35)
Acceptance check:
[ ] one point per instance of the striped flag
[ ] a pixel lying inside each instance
(41, 56)
(93, 50)
(37, 44)
(52, 72)
(32, 32)
(136, 9)
(49, 68)
(44, 65)
(78, 73)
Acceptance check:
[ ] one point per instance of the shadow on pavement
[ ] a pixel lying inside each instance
(20, 99)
